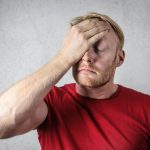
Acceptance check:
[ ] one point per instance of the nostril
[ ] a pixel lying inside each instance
(87, 59)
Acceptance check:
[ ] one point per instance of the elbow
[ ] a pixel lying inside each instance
(5, 133)
(3, 137)
(2, 132)
(7, 127)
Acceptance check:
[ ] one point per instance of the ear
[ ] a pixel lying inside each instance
(120, 58)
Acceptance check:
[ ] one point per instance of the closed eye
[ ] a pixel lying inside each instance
(98, 49)
(100, 46)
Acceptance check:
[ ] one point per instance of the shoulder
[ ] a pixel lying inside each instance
(133, 93)
(134, 99)
(67, 88)
(58, 93)
(138, 104)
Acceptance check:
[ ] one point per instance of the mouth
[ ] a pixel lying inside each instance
(86, 69)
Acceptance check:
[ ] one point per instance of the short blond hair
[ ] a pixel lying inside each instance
(117, 29)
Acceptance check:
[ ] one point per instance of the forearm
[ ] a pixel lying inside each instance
(18, 102)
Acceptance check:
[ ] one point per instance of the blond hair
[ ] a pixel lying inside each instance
(105, 18)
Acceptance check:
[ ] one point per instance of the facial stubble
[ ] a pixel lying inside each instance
(99, 79)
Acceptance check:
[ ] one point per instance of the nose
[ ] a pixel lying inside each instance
(89, 57)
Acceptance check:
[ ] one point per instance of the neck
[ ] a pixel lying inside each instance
(101, 92)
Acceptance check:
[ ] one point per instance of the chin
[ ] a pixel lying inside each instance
(86, 84)
(91, 80)
(90, 83)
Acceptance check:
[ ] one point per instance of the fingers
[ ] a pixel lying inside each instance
(91, 27)
(87, 24)
(97, 37)
(90, 31)
(95, 30)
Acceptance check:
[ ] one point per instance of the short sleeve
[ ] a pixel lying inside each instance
(52, 99)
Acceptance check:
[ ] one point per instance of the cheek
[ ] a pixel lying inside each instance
(103, 45)
(108, 56)
(100, 67)
(104, 63)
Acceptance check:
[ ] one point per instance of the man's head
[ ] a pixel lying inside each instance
(102, 17)
(98, 64)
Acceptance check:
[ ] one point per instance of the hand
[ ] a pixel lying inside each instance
(82, 36)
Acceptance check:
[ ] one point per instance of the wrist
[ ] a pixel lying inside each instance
(66, 58)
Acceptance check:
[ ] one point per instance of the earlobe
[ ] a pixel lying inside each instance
(121, 57)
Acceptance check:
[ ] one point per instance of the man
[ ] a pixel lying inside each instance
(93, 114)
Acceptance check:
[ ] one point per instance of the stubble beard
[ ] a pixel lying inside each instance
(100, 78)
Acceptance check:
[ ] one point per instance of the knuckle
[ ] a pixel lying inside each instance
(83, 37)
(102, 28)
(103, 25)
(76, 29)
(96, 29)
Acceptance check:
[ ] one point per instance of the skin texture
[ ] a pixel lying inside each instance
(22, 105)
(81, 36)
(94, 73)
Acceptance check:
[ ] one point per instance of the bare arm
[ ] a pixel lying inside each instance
(23, 103)
(22, 107)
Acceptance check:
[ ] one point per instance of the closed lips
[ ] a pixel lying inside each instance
(86, 69)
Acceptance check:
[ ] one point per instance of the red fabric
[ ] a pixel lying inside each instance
(74, 122)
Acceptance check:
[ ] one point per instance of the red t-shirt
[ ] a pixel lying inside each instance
(75, 122)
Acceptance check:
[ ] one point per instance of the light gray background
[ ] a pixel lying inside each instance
(32, 31)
